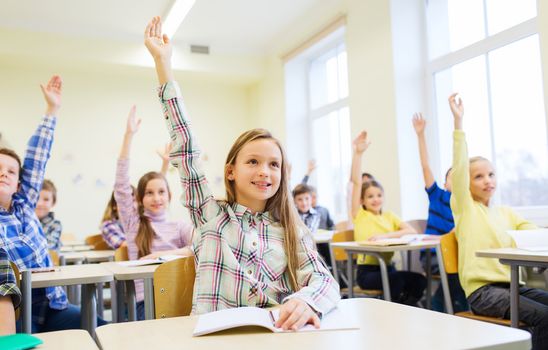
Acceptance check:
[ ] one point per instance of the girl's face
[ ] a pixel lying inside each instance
(256, 173)
(373, 199)
(156, 196)
(483, 181)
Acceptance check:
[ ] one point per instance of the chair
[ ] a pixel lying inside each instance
(450, 252)
(18, 282)
(97, 242)
(173, 287)
(54, 257)
(67, 237)
(339, 256)
(121, 254)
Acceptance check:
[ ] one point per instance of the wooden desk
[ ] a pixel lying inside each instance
(85, 275)
(125, 275)
(383, 325)
(75, 248)
(66, 340)
(376, 251)
(515, 258)
(91, 256)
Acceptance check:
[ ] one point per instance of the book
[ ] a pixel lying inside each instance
(253, 316)
(19, 341)
(403, 240)
(143, 262)
(531, 240)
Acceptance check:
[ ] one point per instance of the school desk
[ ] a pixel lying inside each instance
(66, 340)
(376, 251)
(383, 325)
(75, 248)
(515, 258)
(87, 275)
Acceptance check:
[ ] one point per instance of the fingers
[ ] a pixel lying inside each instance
(295, 316)
(158, 27)
(285, 311)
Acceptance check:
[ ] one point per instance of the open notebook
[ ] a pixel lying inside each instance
(253, 316)
(143, 262)
(404, 240)
(531, 240)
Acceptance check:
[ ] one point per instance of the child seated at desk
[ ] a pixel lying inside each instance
(50, 225)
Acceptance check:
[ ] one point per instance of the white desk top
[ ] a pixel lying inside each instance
(73, 257)
(126, 273)
(385, 249)
(66, 340)
(72, 275)
(72, 243)
(75, 248)
(383, 325)
(92, 256)
(514, 254)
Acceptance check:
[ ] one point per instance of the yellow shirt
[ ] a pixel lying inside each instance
(478, 226)
(367, 224)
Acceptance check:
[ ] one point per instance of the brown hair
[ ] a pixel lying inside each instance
(48, 185)
(145, 233)
(11, 153)
(111, 211)
(301, 189)
(279, 205)
(367, 185)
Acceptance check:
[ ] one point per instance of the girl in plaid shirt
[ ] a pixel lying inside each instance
(252, 249)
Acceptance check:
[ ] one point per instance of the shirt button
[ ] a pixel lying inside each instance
(249, 272)
(253, 290)
(254, 244)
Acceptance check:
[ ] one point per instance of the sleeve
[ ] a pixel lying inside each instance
(520, 223)
(305, 179)
(36, 158)
(395, 220)
(460, 178)
(8, 285)
(434, 192)
(113, 234)
(123, 194)
(53, 235)
(184, 156)
(318, 287)
(329, 221)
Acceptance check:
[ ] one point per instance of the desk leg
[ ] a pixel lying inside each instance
(350, 274)
(114, 301)
(100, 301)
(131, 301)
(428, 279)
(26, 303)
(384, 277)
(444, 282)
(514, 295)
(89, 308)
(149, 299)
(120, 302)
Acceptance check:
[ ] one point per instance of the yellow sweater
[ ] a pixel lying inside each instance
(478, 226)
(367, 224)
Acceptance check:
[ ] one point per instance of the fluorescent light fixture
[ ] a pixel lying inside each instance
(176, 16)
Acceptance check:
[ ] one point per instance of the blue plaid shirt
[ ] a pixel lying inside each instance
(21, 233)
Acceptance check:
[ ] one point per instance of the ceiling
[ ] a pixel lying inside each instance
(246, 27)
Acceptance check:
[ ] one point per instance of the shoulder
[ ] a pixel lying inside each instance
(390, 215)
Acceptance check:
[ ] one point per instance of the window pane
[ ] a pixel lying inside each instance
(503, 14)
(469, 80)
(328, 78)
(466, 22)
(519, 123)
(343, 73)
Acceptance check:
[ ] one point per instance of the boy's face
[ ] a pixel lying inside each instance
(303, 202)
(9, 179)
(45, 204)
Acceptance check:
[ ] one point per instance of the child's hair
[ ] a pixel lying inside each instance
(368, 176)
(10, 153)
(367, 185)
(477, 159)
(279, 205)
(145, 233)
(48, 185)
(447, 173)
(301, 189)
(111, 211)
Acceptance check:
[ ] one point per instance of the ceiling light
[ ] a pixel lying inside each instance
(176, 16)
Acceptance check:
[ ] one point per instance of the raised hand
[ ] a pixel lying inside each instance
(360, 143)
(52, 94)
(457, 108)
(164, 154)
(419, 123)
(311, 166)
(158, 44)
(133, 122)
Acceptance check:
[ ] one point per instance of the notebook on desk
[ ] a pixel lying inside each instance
(531, 240)
(162, 259)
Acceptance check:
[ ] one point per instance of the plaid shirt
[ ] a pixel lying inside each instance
(240, 257)
(113, 233)
(311, 219)
(20, 230)
(52, 230)
(8, 285)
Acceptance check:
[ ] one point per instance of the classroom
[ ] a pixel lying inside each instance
(361, 166)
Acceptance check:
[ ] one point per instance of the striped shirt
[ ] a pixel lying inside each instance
(240, 256)
(8, 285)
(440, 217)
(20, 230)
(52, 230)
(113, 233)
(169, 234)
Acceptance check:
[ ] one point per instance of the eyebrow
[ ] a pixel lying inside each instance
(255, 155)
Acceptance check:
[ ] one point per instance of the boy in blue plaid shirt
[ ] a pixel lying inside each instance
(21, 233)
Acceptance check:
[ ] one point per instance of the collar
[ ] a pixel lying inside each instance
(48, 218)
(156, 217)
(245, 215)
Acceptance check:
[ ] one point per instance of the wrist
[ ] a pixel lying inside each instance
(52, 110)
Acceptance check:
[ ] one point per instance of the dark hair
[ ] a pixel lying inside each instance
(11, 153)
(447, 173)
(368, 176)
(302, 189)
(145, 233)
(48, 185)
(111, 211)
(367, 185)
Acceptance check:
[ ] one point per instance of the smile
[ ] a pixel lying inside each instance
(262, 185)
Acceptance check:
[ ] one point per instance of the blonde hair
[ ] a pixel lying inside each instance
(477, 159)
(280, 206)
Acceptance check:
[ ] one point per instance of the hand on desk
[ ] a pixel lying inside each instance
(296, 313)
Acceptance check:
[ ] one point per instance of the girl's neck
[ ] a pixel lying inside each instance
(156, 217)
(374, 212)
(254, 205)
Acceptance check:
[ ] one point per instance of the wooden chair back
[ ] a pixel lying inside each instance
(54, 257)
(121, 254)
(67, 237)
(450, 252)
(343, 236)
(173, 288)
(97, 242)
(18, 282)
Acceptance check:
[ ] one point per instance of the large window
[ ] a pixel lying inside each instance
(488, 51)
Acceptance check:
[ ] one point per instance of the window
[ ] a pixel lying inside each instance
(488, 51)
